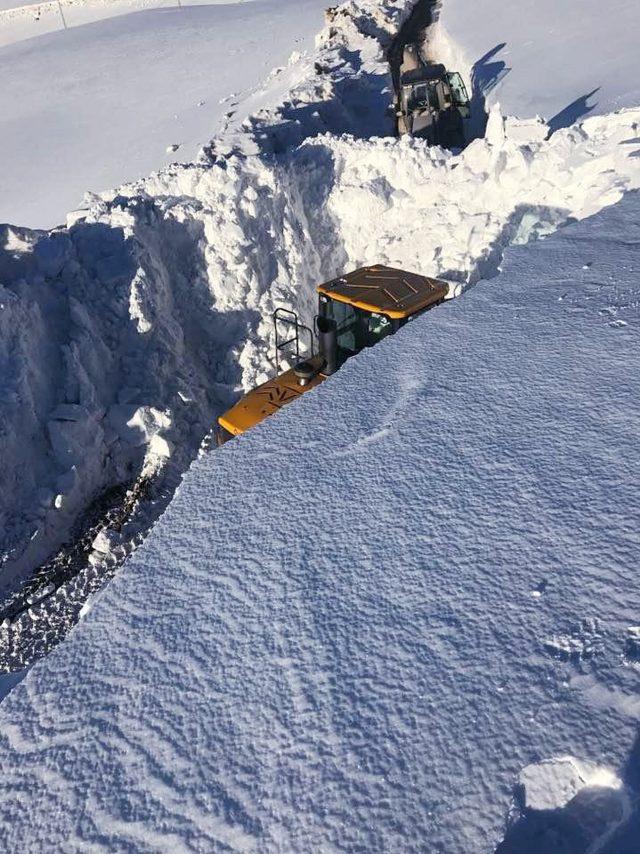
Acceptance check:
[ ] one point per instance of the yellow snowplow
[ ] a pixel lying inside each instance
(354, 311)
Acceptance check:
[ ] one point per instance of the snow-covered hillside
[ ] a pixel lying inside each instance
(358, 626)
(402, 614)
(560, 60)
(110, 101)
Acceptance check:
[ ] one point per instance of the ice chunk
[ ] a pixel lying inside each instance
(106, 541)
(552, 783)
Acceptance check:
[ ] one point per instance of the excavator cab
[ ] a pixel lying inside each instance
(355, 311)
(431, 102)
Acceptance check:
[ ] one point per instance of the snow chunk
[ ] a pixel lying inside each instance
(136, 425)
(106, 541)
(552, 783)
(526, 130)
(495, 132)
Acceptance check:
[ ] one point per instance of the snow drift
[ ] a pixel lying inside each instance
(336, 638)
(126, 333)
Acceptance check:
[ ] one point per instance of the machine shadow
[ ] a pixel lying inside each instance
(574, 111)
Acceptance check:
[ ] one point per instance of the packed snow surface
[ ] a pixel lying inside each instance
(560, 60)
(109, 101)
(337, 637)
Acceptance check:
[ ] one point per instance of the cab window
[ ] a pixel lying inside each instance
(378, 327)
(349, 328)
(459, 92)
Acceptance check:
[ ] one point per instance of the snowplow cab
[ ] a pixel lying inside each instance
(354, 311)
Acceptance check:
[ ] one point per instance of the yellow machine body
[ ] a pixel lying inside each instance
(380, 295)
(266, 399)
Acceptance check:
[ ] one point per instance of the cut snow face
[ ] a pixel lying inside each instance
(328, 642)
(125, 334)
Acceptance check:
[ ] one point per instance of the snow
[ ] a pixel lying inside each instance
(404, 610)
(155, 319)
(146, 311)
(126, 334)
(562, 61)
(328, 641)
(109, 101)
(553, 783)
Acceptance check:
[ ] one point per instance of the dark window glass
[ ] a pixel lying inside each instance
(350, 328)
(378, 327)
(355, 328)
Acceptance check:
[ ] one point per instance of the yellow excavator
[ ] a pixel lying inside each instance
(354, 311)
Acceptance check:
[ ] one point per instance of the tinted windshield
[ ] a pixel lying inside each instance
(356, 328)
(421, 96)
(458, 89)
(349, 328)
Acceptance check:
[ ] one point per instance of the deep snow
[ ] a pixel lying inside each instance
(442, 625)
(106, 102)
(125, 335)
(560, 60)
(358, 626)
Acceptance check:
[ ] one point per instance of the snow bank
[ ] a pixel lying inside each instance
(562, 61)
(329, 642)
(148, 314)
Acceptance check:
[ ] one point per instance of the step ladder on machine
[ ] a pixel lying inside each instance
(288, 328)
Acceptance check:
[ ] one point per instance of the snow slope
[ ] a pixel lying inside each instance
(100, 104)
(125, 335)
(559, 60)
(360, 625)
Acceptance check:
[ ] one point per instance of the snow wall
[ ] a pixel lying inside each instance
(123, 335)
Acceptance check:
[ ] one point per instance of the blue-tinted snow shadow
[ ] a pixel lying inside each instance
(573, 112)
(597, 818)
(486, 73)
(359, 107)
(526, 223)
(8, 682)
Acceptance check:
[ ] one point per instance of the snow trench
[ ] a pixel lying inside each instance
(124, 335)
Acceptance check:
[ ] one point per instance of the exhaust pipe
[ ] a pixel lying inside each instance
(328, 344)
